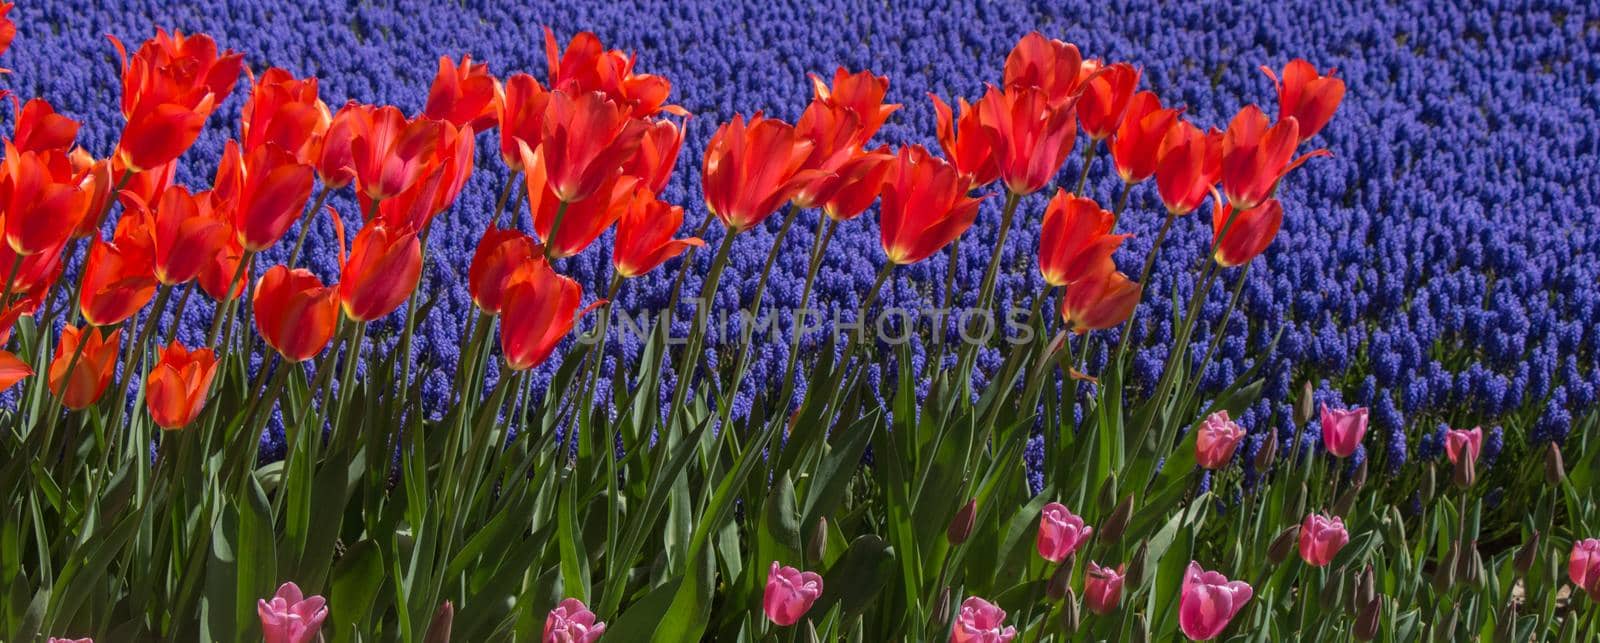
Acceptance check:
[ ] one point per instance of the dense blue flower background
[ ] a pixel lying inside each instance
(1443, 267)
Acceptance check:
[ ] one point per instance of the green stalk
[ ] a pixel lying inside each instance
(555, 227)
(1144, 278)
(969, 351)
(819, 247)
(177, 318)
(305, 225)
(691, 353)
(135, 355)
(1088, 160)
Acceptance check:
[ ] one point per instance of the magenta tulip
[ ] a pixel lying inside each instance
(1102, 588)
(1218, 438)
(572, 622)
(1584, 567)
(291, 617)
(1343, 429)
(790, 593)
(1060, 532)
(1208, 602)
(1459, 441)
(981, 622)
(1321, 538)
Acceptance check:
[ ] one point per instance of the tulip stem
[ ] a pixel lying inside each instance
(305, 225)
(11, 278)
(224, 312)
(347, 379)
(555, 227)
(686, 365)
(135, 356)
(1122, 204)
(177, 317)
(1088, 160)
(1144, 276)
(66, 387)
(500, 203)
(969, 350)
(819, 246)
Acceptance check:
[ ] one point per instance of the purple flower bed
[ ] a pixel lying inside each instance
(1443, 268)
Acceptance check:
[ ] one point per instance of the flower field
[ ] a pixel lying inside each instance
(800, 321)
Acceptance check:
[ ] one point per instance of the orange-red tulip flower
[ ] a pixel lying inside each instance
(39, 128)
(220, 268)
(391, 153)
(657, 155)
(499, 254)
(12, 370)
(861, 93)
(418, 205)
(644, 235)
(583, 221)
(925, 206)
(334, 155)
(1255, 155)
(588, 66)
(964, 143)
(295, 313)
(1137, 147)
(753, 168)
(1075, 240)
(284, 110)
(464, 94)
(1100, 301)
(275, 190)
(1189, 166)
(857, 184)
(187, 235)
(44, 199)
(521, 117)
(96, 363)
(1051, 66)
(169, 87)
(119, 275)
(832, 132)
(1247, 234)
(37, 273)
(97, 182)
(384, 267)
(540, 309)
(1307, 96)
(1031, 137)
(1105, 98)
(175, 390)
(8, 29)
(586, 140)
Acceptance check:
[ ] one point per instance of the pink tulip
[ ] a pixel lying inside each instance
(981, 622)
(1343, 429)
(1321, 538)
(572, 622)
(1584, 567)
(1219, 436)
(61, 640)
(1102, 588)
(790, 593)
(290, 617)
(1458, 441)
(1208, 601)
(1060, 532)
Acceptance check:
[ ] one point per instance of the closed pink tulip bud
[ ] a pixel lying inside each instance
(1060, 532)
(981, 622)
(1584, 567)
(1321, 538)
(1219, 436)
(1208, 602)
(291, 617)
(1102, 588)
(572, 622)
(1343, 429)
(790, 593)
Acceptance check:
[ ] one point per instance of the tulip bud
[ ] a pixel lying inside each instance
(1117, 522)
(439, 629)
(1267, 453)
(1108, 492)
(1302, 411)
(1471, 567)
(1527, 555)
(817, 545)
(1426, 492)
(939, 620)
(1367, 589)
(1464, 473)
(1449, 631)
(961, 526)
(1135, 576)
(1069, 613)
(1359, 480)
(1060, 584)
(1554, 471)
(1141, 629)
(1367, 620)
(1283, 545)
(1331, 592)
(1444, 575)
(1346, 500)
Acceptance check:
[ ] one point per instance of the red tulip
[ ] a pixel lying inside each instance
(583, 221)
(96, 363)
(1106, 97)
(284, 110)
(1102, 588)
(97, 182)
(218, 271)
(8, 29)
(1051, 66)
(1075, 240)
(831, 130)
(1137, 147)
(1032, 136)
(44, 199)
(187, 235)
(227, 185)
(12, 370)
(334, 153)
(383, 269)
(1188, 166)
(752, 168)
(1343, 429)
(1208, 601)
(119, 275)
(416, 207)
(389, 152)
(540, 308)
(1321, 538)
(272, 197)
(463, 95)
(521, 117)
(657, 155)
(499, 254)
(1306, 96)
(586, 140)
(857, 184)
(169, 87)
(1100, 301)
(37, 272)
(294, 312)
(925, 206)
(1248, 234)
(862, 93)
(964, 142)
(39, 128)
(644, 235)
(175, 390)
(587, 66)
(1255, 156)
(1217, 438)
